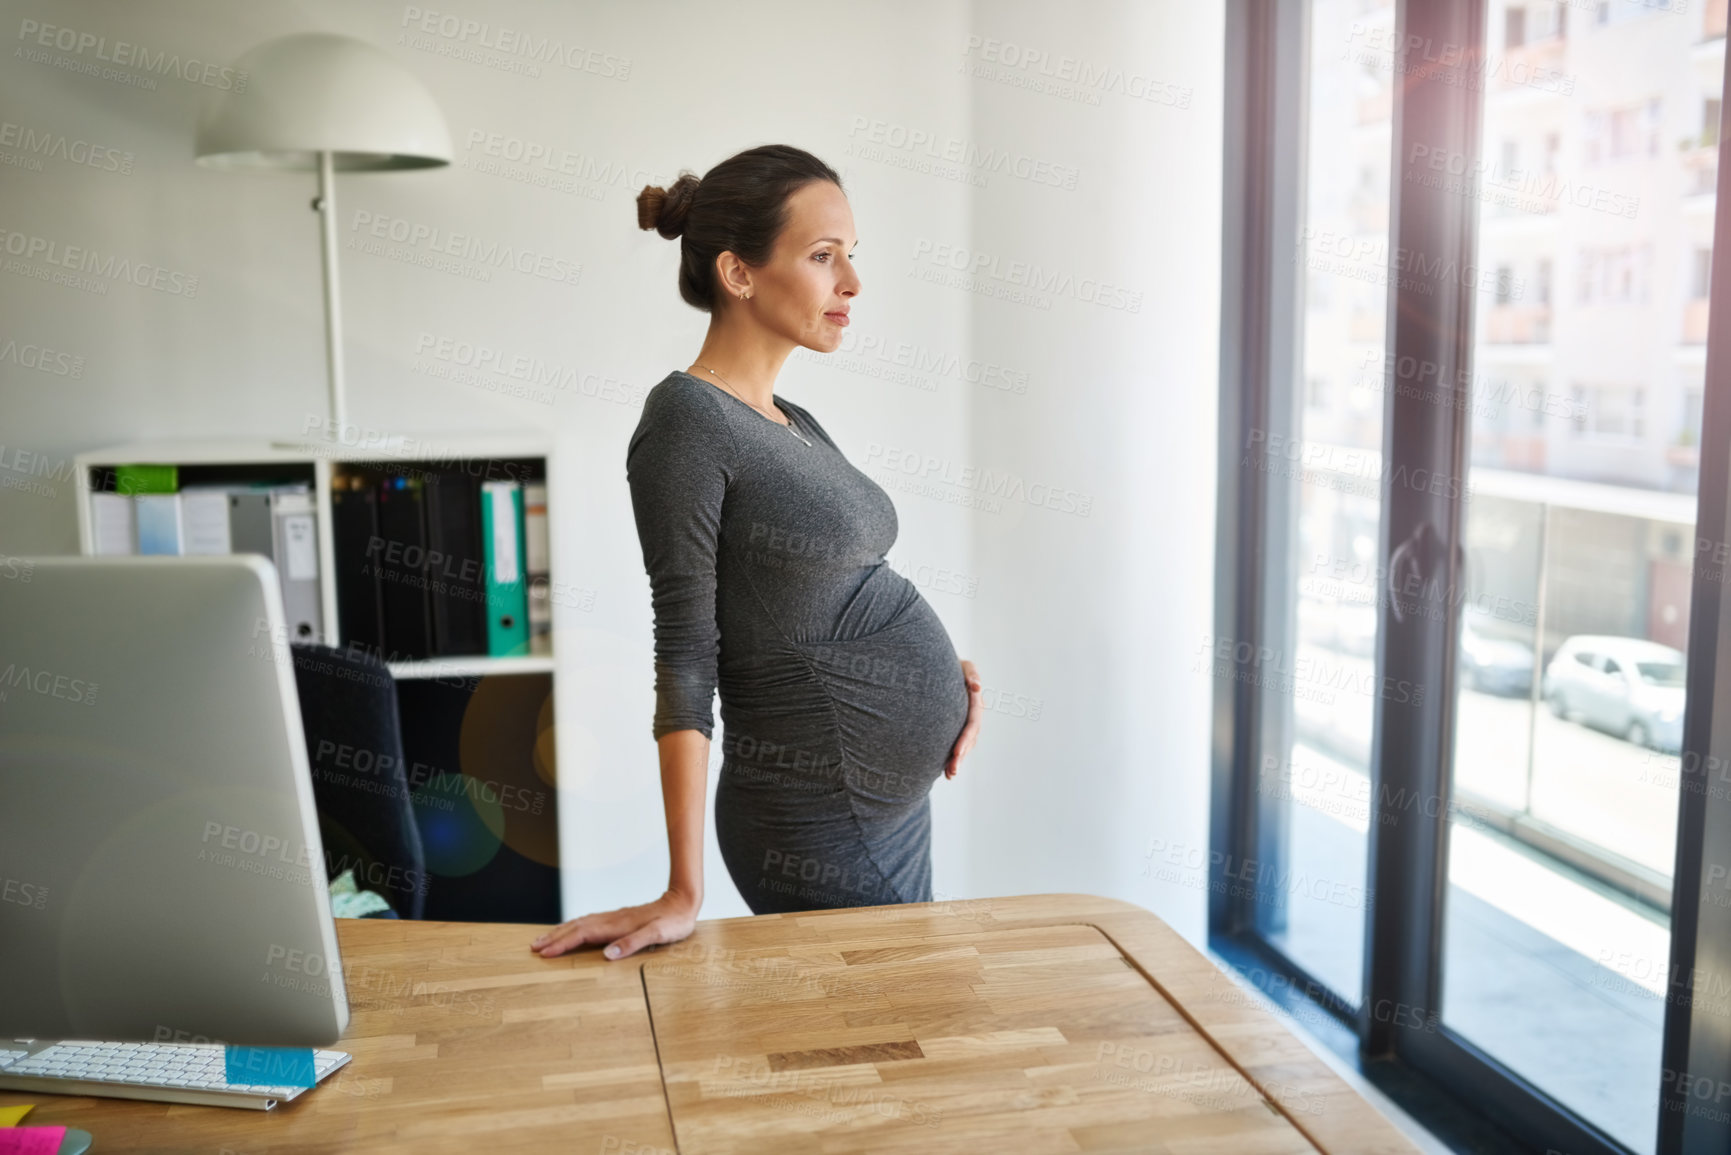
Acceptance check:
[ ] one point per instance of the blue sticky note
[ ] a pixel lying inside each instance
(269, 1066)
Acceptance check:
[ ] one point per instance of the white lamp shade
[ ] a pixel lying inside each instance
(318, 92)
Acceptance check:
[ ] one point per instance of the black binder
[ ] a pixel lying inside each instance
(456, 564)
(400, 559)
(354, 529)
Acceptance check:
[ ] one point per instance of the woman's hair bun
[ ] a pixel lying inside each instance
(665, 209)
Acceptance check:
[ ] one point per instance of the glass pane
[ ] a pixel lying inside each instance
(1314, 799)
(1595, 198)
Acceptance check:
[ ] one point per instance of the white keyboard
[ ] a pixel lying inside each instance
(167, 1072)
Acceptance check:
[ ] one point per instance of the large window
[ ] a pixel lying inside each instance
(1468, 518)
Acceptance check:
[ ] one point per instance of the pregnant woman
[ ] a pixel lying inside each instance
(842, 698)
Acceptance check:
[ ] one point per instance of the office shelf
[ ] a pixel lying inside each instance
(482, 720)
(475, 666)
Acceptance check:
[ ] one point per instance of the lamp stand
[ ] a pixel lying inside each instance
(326, 207)
(325, 204)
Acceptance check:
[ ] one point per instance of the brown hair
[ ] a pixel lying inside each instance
(740, 205)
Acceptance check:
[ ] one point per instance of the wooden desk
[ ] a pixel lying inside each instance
(1036, 1023)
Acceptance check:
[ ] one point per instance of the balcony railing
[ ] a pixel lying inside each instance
(1533, 65)
(1701, 167)
(1683, 456)
(1521, 193)
(1695, 322)
(1518, 325)
(1493, 449)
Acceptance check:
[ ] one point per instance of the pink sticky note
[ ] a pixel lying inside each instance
(31, 1140)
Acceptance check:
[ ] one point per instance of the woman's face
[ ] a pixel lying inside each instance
(804, 292)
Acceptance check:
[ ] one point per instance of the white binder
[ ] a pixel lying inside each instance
(295, 550)
(113, 525)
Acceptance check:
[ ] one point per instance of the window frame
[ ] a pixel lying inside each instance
(1433, 1074)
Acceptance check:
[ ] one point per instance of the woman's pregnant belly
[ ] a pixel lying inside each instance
(873, 716)
(900, 702)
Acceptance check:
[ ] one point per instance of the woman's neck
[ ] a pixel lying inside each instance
(749, 366)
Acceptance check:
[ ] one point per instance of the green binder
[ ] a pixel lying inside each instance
(502, 535)
(145, 478)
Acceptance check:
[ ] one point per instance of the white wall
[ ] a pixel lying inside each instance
(1083, 626)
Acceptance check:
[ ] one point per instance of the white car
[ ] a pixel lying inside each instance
(1628, 686)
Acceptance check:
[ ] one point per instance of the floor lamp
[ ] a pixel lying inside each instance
(331, 103)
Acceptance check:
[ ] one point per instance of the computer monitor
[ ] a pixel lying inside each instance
(161, 873)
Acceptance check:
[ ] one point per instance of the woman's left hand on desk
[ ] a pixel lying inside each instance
(669, 918)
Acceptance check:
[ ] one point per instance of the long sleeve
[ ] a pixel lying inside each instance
(678, 468)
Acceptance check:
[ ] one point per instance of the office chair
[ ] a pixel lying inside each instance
(355, 750)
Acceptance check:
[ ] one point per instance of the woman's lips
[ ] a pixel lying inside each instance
(838, 318)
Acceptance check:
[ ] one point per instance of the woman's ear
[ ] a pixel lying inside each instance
(731, 274)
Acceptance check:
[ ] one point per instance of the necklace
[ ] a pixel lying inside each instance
(788, 426)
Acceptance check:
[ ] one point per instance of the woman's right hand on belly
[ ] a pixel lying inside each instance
(626, 930)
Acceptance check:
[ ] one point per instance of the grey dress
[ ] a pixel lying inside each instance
(841, 693)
